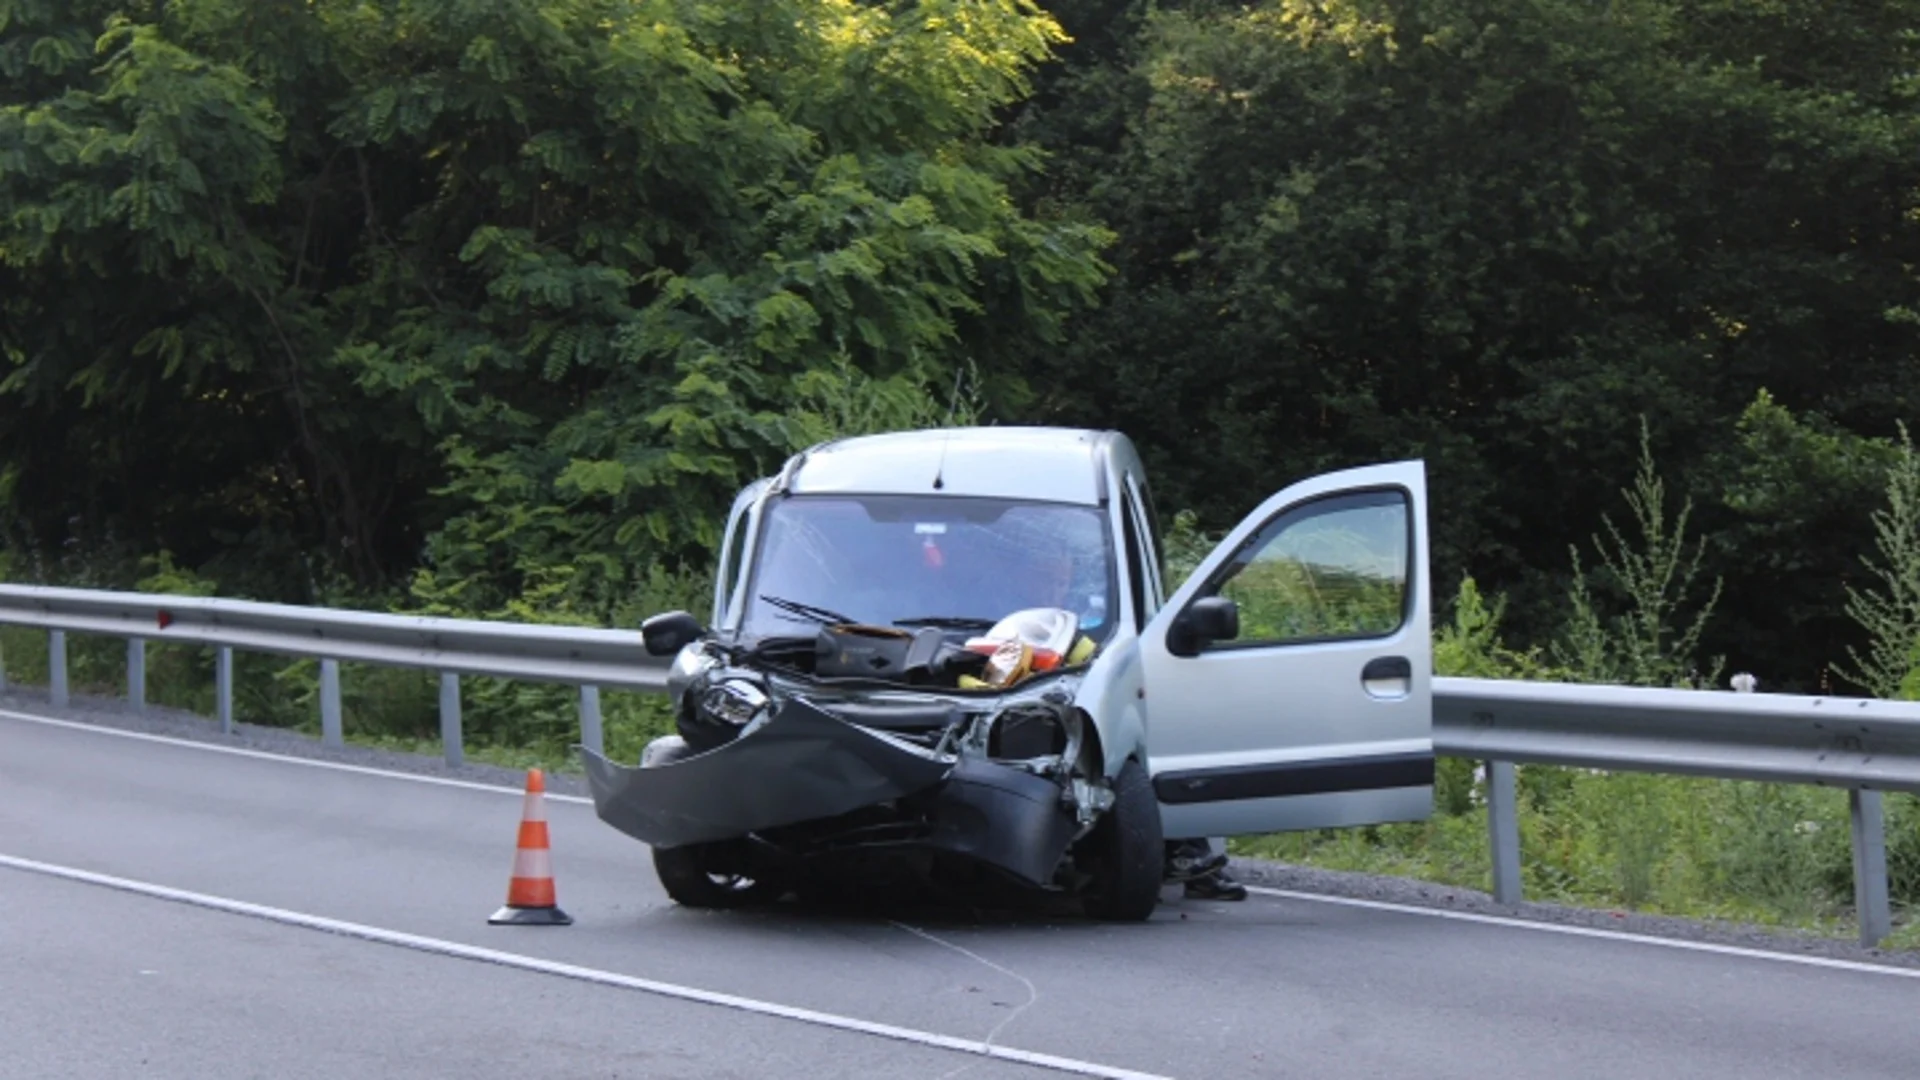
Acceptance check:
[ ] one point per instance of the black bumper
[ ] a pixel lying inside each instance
(806, 765)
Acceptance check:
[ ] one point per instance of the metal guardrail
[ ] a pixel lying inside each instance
(587, 657)
(1866, 746)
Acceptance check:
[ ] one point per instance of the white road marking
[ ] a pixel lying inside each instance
(1592, 932)
(458, 951)
(287, 759)
(1312, 898)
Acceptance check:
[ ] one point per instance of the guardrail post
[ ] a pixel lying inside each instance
(137, 672)
(591, 735)
(57, 667)
(1869, 866)
(450, 718)
(3, 671)
(330, 732)
(223, 687)
(1503, 830)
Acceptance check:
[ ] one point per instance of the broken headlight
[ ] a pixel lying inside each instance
(1029, 731)
(738, 702)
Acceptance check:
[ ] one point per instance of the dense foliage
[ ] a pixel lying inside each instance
(321, 294)
(487, 305)
(1497, 233)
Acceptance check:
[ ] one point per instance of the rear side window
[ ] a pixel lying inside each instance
(1136, 563)
(736, 555)
(1151, 520)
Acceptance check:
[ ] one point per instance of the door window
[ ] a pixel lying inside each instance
(1328, 570)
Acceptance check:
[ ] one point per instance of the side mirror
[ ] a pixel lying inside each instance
(1205, 621)
(668, 633)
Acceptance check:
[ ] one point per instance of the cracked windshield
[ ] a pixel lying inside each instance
(888, 560)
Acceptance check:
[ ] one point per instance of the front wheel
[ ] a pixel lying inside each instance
(1125, 852)
(694, 878)
(697, 875)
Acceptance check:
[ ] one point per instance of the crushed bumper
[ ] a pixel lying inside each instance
(802, 764)
(805, 765)
(1005, 817)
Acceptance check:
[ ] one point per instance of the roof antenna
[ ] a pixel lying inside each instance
(940, 470)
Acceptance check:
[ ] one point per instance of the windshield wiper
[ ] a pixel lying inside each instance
(949, 622)
(806, 611)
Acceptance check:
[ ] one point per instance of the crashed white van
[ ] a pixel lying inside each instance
(951, 651)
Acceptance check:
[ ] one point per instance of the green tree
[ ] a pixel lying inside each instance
(1494, 233)
(526, 286)
(1789, 498)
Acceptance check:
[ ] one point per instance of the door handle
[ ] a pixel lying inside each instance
(1387, 667)
(1387, 677)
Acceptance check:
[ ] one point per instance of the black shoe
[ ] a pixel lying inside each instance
(1216, 886)
(1190, 862)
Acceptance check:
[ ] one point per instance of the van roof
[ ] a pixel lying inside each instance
(1032, 463)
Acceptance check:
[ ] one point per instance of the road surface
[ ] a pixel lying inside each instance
(171, 911)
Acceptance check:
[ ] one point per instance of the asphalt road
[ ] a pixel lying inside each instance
(102, 981)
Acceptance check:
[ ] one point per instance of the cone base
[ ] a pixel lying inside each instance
(530, 916)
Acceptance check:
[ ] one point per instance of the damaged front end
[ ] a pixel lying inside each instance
(787, 768)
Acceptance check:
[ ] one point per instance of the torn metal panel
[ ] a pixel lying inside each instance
(801, 765)
(999, 815)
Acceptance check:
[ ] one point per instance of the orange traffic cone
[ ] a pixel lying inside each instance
(530, 900)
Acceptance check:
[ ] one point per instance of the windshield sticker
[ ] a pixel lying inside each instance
(931, 528)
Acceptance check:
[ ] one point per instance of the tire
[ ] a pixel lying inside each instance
(691, 880)
(691, 874)
(1126, 853)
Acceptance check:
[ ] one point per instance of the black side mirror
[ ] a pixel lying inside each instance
(668, 633)
(1205, 621)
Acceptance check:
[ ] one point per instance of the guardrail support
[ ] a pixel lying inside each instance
(57, 667)
(1503, 830)
(450, 718)
(330, 731)
(591, 735)
(3, 671)
(1870, 866)
(137, 673)
(223, 688)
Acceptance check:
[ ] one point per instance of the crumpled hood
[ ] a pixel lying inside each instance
(801, 765)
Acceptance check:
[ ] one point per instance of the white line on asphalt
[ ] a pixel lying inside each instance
(1314, 898)
(263, 755)
(535, 964)
(1592, 932)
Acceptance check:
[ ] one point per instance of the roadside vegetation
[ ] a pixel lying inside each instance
(1751, 852)
(486, 307)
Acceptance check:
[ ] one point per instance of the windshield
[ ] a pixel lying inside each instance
(884, 559)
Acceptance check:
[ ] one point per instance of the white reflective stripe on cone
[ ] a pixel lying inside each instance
(535, 808)
(533, 863)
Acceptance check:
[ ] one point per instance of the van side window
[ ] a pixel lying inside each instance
(1149, 529)
(736, 561)
(1137, 570)
(1154, 536)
